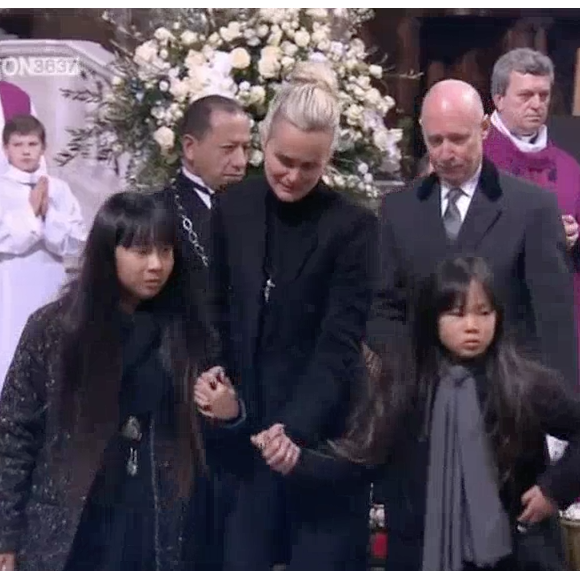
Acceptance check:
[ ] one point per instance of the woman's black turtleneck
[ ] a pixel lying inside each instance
(287, 225)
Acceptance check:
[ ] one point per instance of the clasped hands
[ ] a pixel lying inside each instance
(39, 197)
(216, 398)
(278, 450)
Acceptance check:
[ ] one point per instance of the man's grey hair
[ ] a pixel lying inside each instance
(523, 61)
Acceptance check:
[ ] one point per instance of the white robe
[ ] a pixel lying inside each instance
(32, 270)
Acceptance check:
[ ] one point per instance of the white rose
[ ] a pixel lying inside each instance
(145, 52)
(214, 40)
(368, 178)
(373, 97)
(263, 30)
(194, 59)
(363, 168)
(165, 138)
(188, 37)
(254, 41)
(351, 64)
(354, 114)
(357, 47)
(235, 29)
(117, 81)
(382, 139)
(302, 38)
(179, 89)
(275, 15)
(163, 35)
(272, 53)
(275, 38)
(318, 13)
(157, 112)
(176, 25)
(287, 62)
(244, 86)
(163, 54)
(268, 67)
(164, 86)
(337, 47)
(339, 181)
(256, 158)
(319, 36)
(389, 103)
(324, 45)
(289, 48)
(364, 81)
(257, 95)
(376, 71)
(226, 34)
(240, 58)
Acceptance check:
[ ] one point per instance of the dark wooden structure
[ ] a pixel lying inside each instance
(464, 44)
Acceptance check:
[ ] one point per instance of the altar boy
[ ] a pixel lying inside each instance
(40, 225)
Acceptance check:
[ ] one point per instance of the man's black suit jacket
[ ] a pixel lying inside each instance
(513, 224)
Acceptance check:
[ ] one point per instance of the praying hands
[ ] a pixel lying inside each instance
(39, 197)
(278, 450)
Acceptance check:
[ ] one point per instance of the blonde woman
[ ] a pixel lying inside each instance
(292, 267)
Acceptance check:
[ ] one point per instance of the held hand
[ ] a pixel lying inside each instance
(571, 228)
(537, 507)
(278, 450)
(7, 562)
(206, 382)
(215, 396)
(264, 438)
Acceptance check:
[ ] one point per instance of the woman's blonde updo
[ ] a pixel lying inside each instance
(309, 101)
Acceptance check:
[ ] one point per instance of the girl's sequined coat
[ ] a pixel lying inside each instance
(43, 492)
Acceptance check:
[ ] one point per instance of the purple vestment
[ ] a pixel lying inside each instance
(14, 100)
(552, 168)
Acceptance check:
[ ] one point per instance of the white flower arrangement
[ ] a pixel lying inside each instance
(245, 54)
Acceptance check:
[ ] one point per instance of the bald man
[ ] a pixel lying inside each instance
(467, 206)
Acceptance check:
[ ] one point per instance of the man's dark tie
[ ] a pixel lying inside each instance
(452, 217)
(202, 189)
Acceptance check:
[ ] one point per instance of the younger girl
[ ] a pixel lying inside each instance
(100, 444)
(461, 426)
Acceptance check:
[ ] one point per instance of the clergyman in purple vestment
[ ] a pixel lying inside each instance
(518, 141)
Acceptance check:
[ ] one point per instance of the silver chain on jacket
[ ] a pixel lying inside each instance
(188, 227)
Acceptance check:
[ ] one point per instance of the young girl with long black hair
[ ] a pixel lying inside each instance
(100, 443)
(460, 423)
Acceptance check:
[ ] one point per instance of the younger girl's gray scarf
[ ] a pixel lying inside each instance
(465, 520)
